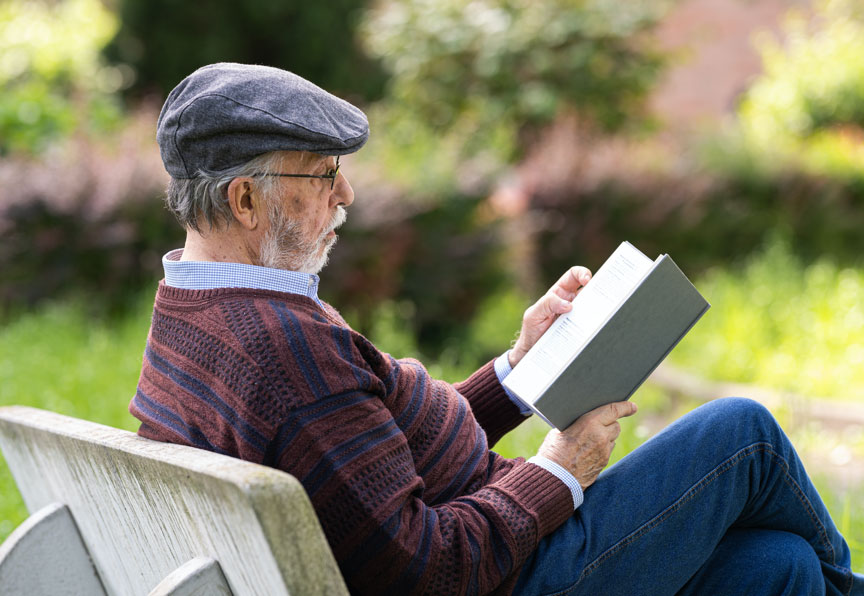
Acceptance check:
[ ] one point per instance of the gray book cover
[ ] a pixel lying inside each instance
(627, 349)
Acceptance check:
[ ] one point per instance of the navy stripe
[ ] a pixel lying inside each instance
(499, 547)
(412, 409)
(390, 380)
(171, 420)
(311, 412)
(369, 548)
(293, 330)
(490, 464)
(408, 579)
(473, 583)
(461, 478)
(202, 391)
(454, 431)
(342, 337)
(334, 459)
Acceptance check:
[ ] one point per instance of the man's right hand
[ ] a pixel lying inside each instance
(584, 447)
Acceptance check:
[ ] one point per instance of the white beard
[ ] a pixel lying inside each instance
(284, 248)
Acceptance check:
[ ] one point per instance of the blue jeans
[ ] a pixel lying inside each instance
(718, 503)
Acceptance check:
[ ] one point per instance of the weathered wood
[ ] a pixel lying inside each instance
(201, 576)
(45, 555)
(145, 508)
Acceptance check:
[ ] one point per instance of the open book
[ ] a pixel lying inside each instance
(622, 325)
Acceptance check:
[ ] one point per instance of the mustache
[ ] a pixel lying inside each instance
(337, 220)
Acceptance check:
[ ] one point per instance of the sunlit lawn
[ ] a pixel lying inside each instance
(773, 322)
(778, 324)
(59, 360)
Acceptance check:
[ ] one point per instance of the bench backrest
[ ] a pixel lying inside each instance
(145, 509)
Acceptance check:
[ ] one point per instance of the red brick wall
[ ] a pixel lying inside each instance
(714, 56)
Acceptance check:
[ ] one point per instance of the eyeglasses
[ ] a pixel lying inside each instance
(330, 175)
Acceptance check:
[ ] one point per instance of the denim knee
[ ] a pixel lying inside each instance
(741, 407)
(730, 413)
(795, 562)
(753, 561)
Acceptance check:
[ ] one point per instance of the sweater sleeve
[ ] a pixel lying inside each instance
(492, 408)
(409, 496)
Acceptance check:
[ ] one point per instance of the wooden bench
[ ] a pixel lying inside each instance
(114, 513)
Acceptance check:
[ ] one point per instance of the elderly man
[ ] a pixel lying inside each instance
(243, 358)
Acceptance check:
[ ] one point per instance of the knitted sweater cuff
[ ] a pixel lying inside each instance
(539, 492)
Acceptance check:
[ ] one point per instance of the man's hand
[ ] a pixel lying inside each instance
(543, 313)
(584, 447)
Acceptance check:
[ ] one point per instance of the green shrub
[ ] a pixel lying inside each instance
(439, 265)
(86, 218)
(779, 323)
(165, 40)
(807, 109)
(54, 82)
(494, 70)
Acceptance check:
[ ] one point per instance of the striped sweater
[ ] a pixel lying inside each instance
(397, 465)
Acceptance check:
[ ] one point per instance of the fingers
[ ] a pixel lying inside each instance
(610, 413)
(540, 316)
(569, 284)
(553, 305)
(546, 309)
(557, 300)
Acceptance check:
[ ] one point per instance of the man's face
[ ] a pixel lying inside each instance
(303, 214)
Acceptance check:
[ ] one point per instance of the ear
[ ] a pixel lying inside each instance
(245, 203)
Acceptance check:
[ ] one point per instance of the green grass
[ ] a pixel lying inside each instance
(777, 323)
(61, 359)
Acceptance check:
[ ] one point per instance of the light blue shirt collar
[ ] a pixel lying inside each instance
(207, 275)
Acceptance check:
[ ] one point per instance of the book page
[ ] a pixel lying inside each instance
(594, 304)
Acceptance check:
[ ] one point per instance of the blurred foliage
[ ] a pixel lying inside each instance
(54, 83)
(791, 162)
(494, 326)
(807, 110)
(165, 40)
(48, 253)
(729, 217)
(782, 324)
(442, 262)
(84, 217)
(490, 71)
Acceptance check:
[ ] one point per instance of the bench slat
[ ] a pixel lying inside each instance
(145, 508)
(45, 555)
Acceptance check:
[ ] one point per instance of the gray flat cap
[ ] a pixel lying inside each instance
(223, 115)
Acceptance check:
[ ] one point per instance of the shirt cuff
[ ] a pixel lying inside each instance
(563, 475)
(502, 369)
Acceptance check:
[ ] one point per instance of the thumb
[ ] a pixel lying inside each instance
(609, 413)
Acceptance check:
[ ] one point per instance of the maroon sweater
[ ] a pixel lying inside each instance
(397, 465)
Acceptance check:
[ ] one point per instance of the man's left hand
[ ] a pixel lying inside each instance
(543, 313)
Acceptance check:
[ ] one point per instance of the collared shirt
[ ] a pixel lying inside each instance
(209, 275)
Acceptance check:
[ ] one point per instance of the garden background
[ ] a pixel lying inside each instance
(510, 139)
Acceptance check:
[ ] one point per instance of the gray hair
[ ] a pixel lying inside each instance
(203, 198)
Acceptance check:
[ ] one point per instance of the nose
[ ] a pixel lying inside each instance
(342, 194)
